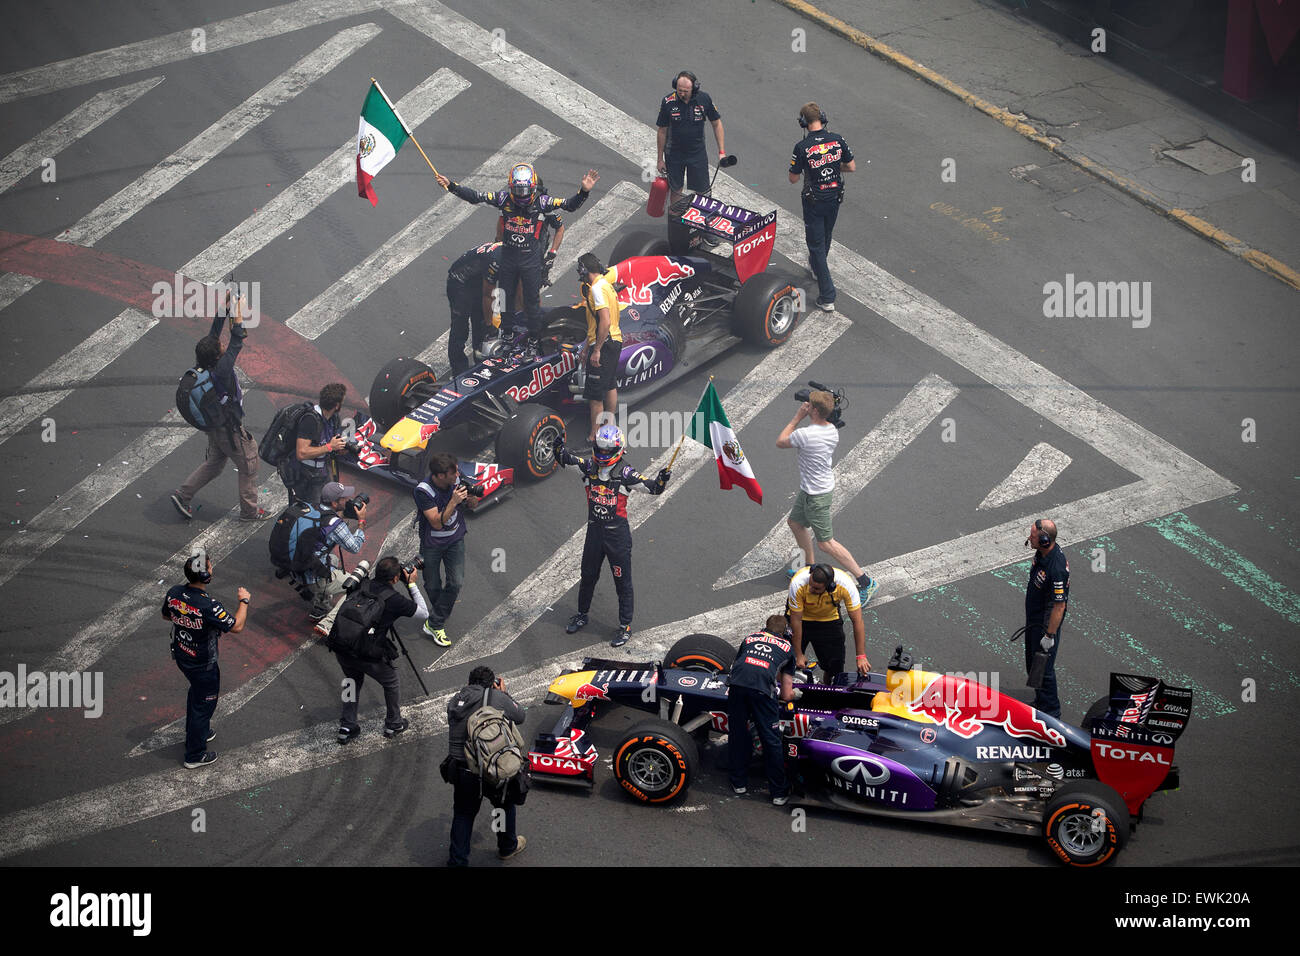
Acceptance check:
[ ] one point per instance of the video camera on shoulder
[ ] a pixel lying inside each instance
(350, 506)
(835, 417)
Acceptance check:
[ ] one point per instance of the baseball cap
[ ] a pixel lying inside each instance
(333, 491)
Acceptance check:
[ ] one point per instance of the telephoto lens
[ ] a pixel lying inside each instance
(356, 576)
(415, 564)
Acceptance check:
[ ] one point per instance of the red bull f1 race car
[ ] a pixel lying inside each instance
(682, 302)
(907, 744)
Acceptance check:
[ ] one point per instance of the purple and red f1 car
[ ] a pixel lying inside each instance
(906, 744)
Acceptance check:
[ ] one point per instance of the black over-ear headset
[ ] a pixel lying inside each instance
(695, 84)
(1044, 539)
(205, 576)
(821, 118)
(827, 571)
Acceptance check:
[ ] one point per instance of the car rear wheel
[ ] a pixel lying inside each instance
(527, 441)
(1098, 708)
(636, 244)
(764, 312)
(401, 386)
(656, 761)
(701, 652)
(1086, 823)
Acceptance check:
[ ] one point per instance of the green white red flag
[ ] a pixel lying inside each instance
(711, 428)
(381, 135)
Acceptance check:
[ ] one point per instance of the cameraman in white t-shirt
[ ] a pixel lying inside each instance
(812, 506)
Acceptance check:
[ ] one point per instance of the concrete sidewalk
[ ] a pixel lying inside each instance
(1090, 112)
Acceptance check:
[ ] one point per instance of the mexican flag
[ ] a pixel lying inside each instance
(710, 427)
(381, 136)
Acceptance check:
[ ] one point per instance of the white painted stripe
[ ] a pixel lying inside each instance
(582, 235)
(332, 173)
(86, 117)
(175, 47)
(87, 496)
(769, 379)
(87, 359)
(133, 197)
(330, 307)
(898, 429)
(1032, 476)
(139, 606)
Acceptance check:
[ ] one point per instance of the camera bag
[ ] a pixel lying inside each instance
(296, 537)
(281, 439)
(356, 628)
(200, 401)
(494, 750)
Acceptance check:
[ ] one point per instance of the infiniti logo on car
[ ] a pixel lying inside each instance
(641, 359)
(860, 770)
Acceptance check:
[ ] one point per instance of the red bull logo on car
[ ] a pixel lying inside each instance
(964, 706)
(544, 377)
(641, 275)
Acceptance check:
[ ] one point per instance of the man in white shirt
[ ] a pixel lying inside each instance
(812, 506)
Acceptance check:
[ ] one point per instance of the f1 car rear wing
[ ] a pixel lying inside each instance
(752, 235)
(1133, 741)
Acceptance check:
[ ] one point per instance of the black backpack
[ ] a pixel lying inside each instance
(281, 439)
(200, 400)
(296, 537)
(356, 628)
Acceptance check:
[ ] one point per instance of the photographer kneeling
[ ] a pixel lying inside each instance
(360, 638)
(303, 538)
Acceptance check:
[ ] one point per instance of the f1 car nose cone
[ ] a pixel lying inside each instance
(403, 436)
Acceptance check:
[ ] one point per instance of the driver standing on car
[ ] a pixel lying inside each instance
(523, 230)
(822, 158)
(604, 341)
(682, 156)
(760, 674)
(816, 593)
(608, 533)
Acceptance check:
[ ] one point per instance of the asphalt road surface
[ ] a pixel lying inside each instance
(232, 149)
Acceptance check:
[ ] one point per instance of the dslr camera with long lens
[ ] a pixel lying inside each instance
(350, 506)
(415, 564)
(357, 576)
(835, 417)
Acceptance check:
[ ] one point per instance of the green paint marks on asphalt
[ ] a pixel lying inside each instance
(1179, 530)
(1126, 649)
(1278, 527)
(1196, 621)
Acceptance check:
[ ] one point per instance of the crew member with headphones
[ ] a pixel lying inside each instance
(197, 620)
(816, 593)
(682, 155)
(821, 158)
(1046, 597)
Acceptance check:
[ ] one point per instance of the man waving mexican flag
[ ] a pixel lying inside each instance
(711, 428)
(381, 135)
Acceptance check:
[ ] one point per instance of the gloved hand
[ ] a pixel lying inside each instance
(558, 448)
(1047, 643)
(547, 262)
(664, 475)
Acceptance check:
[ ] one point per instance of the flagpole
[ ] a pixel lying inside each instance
(404, 126)
(678, 449)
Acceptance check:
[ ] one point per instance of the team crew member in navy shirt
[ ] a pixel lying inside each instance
(761, 673)
(1047, 595)
(821, 158)
(682, 115)
(470, 281)
(442, 540)
(197, 620)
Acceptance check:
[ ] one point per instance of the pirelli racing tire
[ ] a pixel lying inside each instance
(1098, 709)
(656, 761)
(701, 652)
(527, 441)
(636, 244)
(1086, 823)
(763, 312)
(401, 385)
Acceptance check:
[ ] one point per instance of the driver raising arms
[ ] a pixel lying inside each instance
(816, 593)
(524, 209)
(608, 533)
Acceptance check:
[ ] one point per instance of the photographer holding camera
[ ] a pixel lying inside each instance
(338, 503)
(317, 439)
(359, 638)
(442, 539)
(816, 444)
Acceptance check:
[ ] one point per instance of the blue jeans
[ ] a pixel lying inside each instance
(818, 225)
(466, 800)
(1045, 698)
(205, 685)
(443, 596)
(745, 705)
